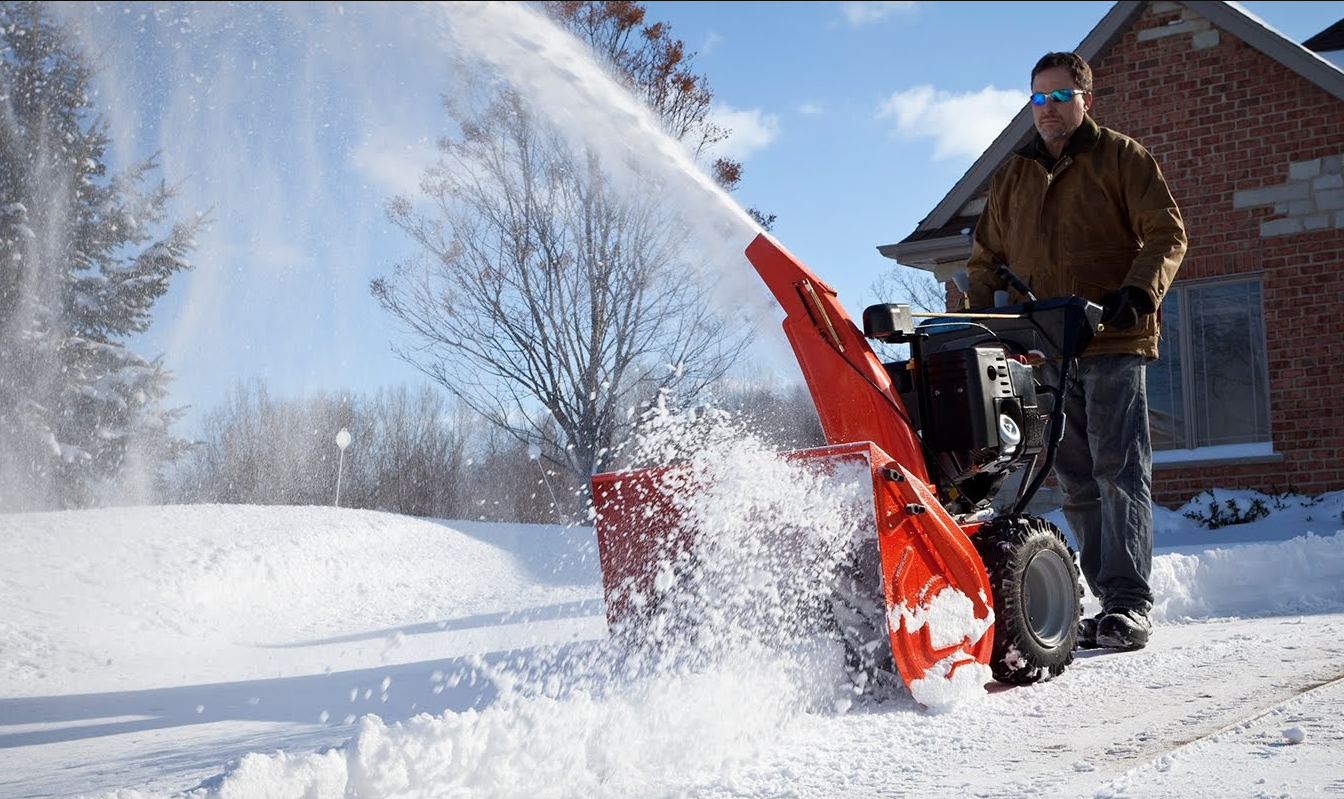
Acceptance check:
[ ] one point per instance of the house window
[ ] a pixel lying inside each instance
(1210, 387)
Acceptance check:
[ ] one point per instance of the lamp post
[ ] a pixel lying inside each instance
(342, 441)
(534, 452)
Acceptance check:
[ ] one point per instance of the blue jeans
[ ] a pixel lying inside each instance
(1104, 466)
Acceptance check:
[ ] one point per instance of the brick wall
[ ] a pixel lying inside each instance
(1253, 154)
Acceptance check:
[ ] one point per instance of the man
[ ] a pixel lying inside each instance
(1083, 210)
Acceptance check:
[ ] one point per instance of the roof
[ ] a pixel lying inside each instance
(1329, 40)
(944, 235)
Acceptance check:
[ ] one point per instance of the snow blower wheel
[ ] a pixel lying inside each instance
(1038, 598)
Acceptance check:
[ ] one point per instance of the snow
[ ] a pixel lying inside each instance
(247, 652)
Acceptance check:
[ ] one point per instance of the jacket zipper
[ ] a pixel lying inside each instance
(1050, 175)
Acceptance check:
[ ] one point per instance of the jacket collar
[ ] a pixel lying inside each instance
(1083, 140)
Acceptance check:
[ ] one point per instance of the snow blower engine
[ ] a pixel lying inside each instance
(939, 433)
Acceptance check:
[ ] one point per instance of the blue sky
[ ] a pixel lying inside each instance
(293, 122)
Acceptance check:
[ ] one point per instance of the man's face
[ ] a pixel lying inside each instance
(1056, 121)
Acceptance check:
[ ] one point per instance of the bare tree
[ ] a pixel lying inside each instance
(407, 454)
(550, 300)
(509, 482)
(414, 454)
(655, 67)
(915, 287)
(258, 449)
(658, 69)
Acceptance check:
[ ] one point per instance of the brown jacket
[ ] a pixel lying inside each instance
(1098, 219)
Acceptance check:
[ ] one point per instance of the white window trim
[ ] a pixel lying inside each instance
(1223, 452)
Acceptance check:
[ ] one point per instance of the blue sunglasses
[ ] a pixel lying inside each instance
(1058, 95)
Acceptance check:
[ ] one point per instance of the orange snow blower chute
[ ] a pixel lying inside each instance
(938, 434)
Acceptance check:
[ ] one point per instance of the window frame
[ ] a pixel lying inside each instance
(1182, 291)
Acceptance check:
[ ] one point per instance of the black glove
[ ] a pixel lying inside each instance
(1120, 309)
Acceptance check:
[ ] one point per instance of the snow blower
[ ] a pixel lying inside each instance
(938, 434)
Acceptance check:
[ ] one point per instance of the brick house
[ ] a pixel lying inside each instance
(1248, 127)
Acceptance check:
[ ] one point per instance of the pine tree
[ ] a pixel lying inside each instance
(81, 265)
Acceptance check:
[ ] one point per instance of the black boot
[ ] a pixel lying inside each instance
(1087, 632)
(1123, 628)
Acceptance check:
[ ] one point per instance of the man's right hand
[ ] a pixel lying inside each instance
(1120, 308)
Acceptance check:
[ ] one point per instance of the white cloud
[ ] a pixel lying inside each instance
(751, 129)
(712, 41)
(865, 13)
(810, 109)
(390, 164)
(959, 124)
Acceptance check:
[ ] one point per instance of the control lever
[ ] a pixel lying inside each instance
(1013, 280)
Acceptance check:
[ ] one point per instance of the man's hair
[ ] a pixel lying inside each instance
(1074, 63)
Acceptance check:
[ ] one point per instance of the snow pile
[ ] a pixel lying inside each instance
(1296, 576)
(632, 740)
(740, 654)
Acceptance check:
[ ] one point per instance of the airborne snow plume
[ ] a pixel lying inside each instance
(769, 532)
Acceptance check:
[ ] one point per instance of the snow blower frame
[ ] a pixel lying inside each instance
(939, 433)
